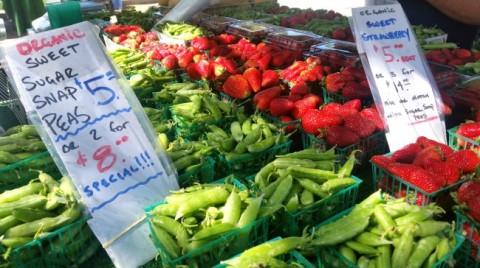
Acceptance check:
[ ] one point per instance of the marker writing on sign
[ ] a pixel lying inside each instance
(51, 56)
(58, 77)
(142, 161)
(34, 44)
(399, 34)
(377, 11)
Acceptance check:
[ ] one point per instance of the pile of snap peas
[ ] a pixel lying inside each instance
(299, 180)
(422, 33)
(187, 158)
(21, 142)
(38, 208)
(379, 232)
(186, 226)
(191, 117)
(175, 93)
(158, 119)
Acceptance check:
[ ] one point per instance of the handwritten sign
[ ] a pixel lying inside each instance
(401, 82)
(69, 86)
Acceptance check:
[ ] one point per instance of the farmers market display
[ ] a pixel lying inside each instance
(267, 116)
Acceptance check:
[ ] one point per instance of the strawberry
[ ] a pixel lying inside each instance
(360, 125)
(229, 65)
(372, 114)
(474, 208)
(280, 106)
(185, 58)
(358, 73)
(290, 126)
(447, 172)
(227, 39)
(411, 196)
(302, 106)
(262, 99)
(217, 69)
(317, 70)
(314, 97)
(270, 78)
(170, 62)
(237, 87)
(353, 90)
(203, 68)
(418, 176)
(462, 53)
(279, 58)
(294, 98)
(332, 107)
(469, 130)
(340, 136)
(425, 142)
(407, 153)
(474, 239)
(254, 78)
(250, 63)
(339, 34)
(353, 104)
(402, 170)
(200, 43)
(466, 160)
(432, 152)
(336, 81)
(264, 62)
(382, 160)
(300, 88)
(315, 120)
(344, 111)
(468, 190)
(192, 72)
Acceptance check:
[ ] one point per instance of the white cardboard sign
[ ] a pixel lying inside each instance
(67, 82)
(401, 82)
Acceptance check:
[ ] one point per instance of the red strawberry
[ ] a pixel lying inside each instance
(372, 114)
(340, 136)
(470, 130)
(474, 208)
(170, 62)
(315, 97)
(200, 43)
(264, 62)
(360, 125)
(447, 52)
(227, 39)
(203, 68)
(250, 63)
(353, 104)
(445, 172)
(291, 126)
(279, 58)
(254, 78)
(432, 152)
(466, 160)
(344, 111)
(339, 34)
(336, 81)
(295, 98)
(468, 190)
(353, 90)
(359, 74)
(262, 99)
(382, 160)
(300, 88)
(455, 62)
(237, 87)
(315, 120)
(407, 153)
(462, 53)
(270, 78)
(280, 106)
(192, 72)
(317, 70)
(229, 65)
(416, 175)
(217, 69)
(185, 58)
(425, 142)
(302, 106)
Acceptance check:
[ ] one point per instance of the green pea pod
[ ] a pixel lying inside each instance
(313, 187)
(371, 239)
(306, 198)
(317, 175)
(384, 219)
(30, 214)
(172, 227)
(334, 186)
(7, 223)
(261, 145)
(168, 243)
(403, 249)
(212, 108)
(236, 130)
(247, 126)
(15, 242)
(281, 192)
(253, 136)
(425, 246)
(361, 248)
(385, 255)
(348, 253)
(311, 154)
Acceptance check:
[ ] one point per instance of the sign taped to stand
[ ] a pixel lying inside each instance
(401, 82)
(94, 124)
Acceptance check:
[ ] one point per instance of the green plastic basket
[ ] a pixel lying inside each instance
(250, 163)
(69, 246)
(20, 173)
(294, 258)
(213, 252)
(372, 145)
(453, 138)
(391, 184)
(467, 255)
(275, 120)
(204, 174)
(64, 14)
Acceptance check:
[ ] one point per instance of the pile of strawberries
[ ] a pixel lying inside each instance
(452, 57)
(343, 34)
(350, 82)
(428, 164)
(468, 198)
(342, 125)
(130, 36)
(471, 131)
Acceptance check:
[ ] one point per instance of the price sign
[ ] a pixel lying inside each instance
(401, 82)
(68, 85)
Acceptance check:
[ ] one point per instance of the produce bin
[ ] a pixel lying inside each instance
(372, 145)
(214, 251)
(250, 163)
(20, 173)
(293, 257)
(66, 247)
(204, 174)
(467, 255)
(194, 131)
(453, 141)
(391, 184)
